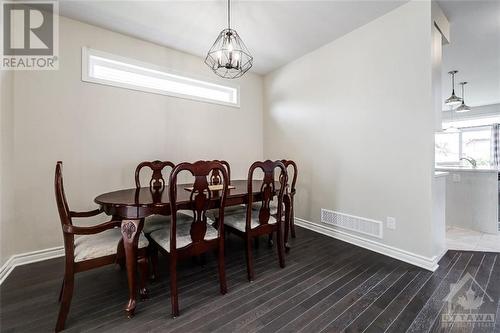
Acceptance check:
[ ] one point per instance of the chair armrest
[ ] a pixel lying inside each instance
(86, 214)
(95, 229)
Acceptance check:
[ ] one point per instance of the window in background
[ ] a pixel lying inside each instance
(108, 69)
(473, 142)
(447, 148)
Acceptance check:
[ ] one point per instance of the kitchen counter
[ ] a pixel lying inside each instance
(465, 169)
(471, 198)
(440, 174)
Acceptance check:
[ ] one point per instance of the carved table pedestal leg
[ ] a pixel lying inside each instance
(131, 229)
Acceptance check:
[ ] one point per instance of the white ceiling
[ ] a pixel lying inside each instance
(474, 50)
(276, 32)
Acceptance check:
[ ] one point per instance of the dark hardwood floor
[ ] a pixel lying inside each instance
(327, 286)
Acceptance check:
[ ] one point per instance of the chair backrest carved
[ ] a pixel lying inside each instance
(287, 164)
(215, 177)
(64, 214)
(157, 182)
(201, 199)
(267, 190)
(62, 203)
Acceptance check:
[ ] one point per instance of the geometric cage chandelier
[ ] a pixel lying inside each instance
(229, 57)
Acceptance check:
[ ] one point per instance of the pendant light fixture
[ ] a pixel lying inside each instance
(463, 107)
(453, 100)
(229, 57)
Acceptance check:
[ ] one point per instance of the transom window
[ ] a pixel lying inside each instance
(112, 70)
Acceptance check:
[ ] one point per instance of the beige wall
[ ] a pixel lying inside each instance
(357, 116)
(6, 162)
(102, 132)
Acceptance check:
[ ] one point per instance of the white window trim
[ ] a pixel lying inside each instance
(87, 52)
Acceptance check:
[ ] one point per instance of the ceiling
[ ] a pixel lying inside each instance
(276, 32)
(474, 50)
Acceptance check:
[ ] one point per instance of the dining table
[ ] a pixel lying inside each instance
(131, 206)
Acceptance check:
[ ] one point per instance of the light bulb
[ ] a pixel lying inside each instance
(219, 58)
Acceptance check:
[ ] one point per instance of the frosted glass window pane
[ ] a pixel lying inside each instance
(99, 67)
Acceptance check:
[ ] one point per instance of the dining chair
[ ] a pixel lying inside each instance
(88, 247)
(250, 224)
(289, 195)
(215, 179)
(193, 235)
(291, 190)
(157, 185)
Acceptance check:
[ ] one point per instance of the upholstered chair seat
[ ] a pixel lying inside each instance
(273, 206)
(155, 222)
(238, 221)
(102, 244)
(162, 236)
(214, 213)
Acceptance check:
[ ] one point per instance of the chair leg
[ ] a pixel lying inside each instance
(174, 301)
(248, 245)
(292, 221)
(222, 271)
(270, 241)
(61, 291)
(256, 241)
(287, 227)
(67, 294)
(280, 247)
(144, 274)
(153, 254)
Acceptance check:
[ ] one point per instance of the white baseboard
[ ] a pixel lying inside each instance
(409, 257)
(430, 264)
(27, 258)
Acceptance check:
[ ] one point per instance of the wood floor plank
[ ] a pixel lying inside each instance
(382, 322)
(343, 317)
(392, 293)
(204, 306)
(308, 309)
(293, 302)
(319, 278)
(480, 274)
(239, 306)
(238, 271)
(491, 298)
(326, 285)
(406, 318)
(430, 312)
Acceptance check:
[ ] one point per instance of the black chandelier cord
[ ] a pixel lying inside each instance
(229, 14)
(453, 84)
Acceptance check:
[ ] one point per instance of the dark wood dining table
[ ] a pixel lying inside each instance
(131, 206)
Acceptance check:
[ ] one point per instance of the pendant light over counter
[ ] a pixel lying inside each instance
(229, 57)
(453, 100)
(463, 107)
